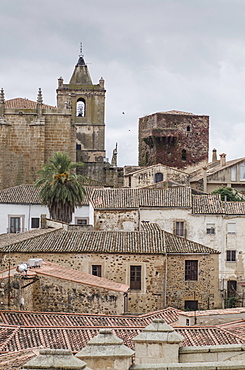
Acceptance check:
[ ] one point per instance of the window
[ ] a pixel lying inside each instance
(210, 228)
(82, 221)
(81, 108)
(242, 171)
(96, 270)
(191, 270)
(15, 225)
(231, 288)
(188, 128)
(135, 277)
(191, 305)
(231, 228)
(183, 157)
(231, 256)
(233, 173)
(179, 228)
(78, 147)
(158, 177)
(35, 223)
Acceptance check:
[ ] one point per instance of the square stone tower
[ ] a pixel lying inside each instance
(175, 139)
(87, 103)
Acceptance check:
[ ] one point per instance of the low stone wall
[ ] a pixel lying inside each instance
(231, 352)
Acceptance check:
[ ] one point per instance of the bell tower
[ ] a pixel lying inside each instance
(87, 104)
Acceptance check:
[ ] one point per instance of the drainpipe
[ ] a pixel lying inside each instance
(166, 273)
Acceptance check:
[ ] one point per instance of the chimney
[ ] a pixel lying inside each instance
(205, 179)
(214, 155)
(106, 352)
(158, 343)
(222, 159)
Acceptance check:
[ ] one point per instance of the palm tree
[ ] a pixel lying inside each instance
(60, 188)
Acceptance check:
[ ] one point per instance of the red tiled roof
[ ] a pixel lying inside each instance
(59, 319)
(134, 198)
(28, 194)
(212, 204)
(73, 331)
(236, 327)
(225, 311)
(64, 273)
(21, 103)
(16, 359)
(60, 272)
(75, 338)
(155, 241)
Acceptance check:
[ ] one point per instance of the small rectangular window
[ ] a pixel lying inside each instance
(82, 221)
(233, 173)
(231, 288)
(231, 228)
(191, 270)
(180, 228)
(15, 225)
(231, 256)
(96, 270)
(210, 228)
(242, 171)
(191, 305)
(135, 277)
(35, 223)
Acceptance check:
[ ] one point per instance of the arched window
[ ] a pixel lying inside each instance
(183, 158)
(81, 107)
(158, 177)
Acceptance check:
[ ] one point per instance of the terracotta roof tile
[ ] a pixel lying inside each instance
(144, 242)
(76, 338)
(16, 359)
(30, 318)
(60, 272)
(135, 198)
(21, 103)
(28, 194)
(212, 204)
(236, 327)
(205, 336)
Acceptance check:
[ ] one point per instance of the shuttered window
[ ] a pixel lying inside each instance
(135, 277)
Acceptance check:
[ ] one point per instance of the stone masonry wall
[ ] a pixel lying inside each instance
(52, 294)
(163, 136)
(116, 220)
(27, 141)
(115, 267)
(205, 290)
(152, 296)
(22, 144)
(146, 177)
(56, 295)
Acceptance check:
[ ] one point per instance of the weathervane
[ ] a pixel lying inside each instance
(81, 49)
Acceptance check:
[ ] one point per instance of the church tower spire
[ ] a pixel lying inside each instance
(87, 101)
(81, 73)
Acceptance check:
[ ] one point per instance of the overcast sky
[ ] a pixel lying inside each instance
(155, 55)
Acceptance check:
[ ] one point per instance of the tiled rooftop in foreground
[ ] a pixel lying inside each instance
(21, 330)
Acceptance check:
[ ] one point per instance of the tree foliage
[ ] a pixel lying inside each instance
(60, 187)
(229, 194)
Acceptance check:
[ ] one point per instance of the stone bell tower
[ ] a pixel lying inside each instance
(87, 104)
